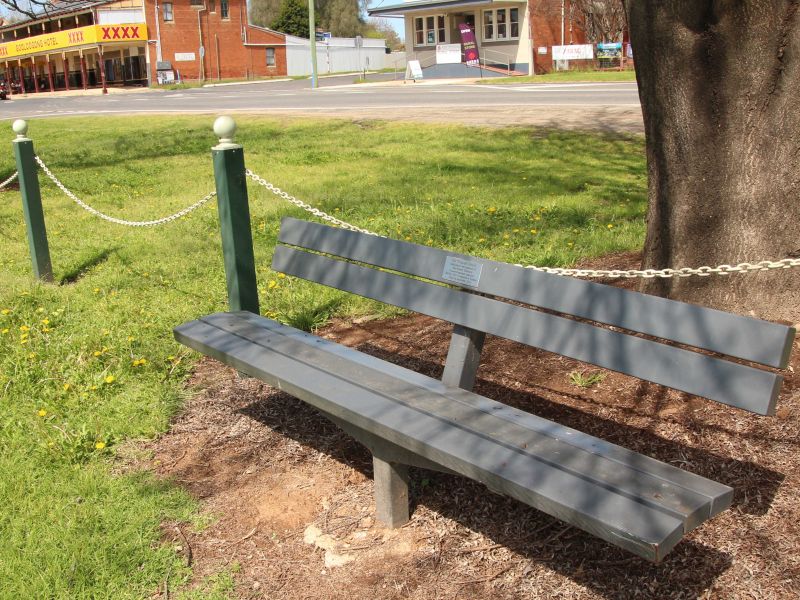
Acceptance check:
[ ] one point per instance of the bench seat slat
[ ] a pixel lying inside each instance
(542, 439)
(719, 495)
(455, 444)
(733, 335)
(730, 383)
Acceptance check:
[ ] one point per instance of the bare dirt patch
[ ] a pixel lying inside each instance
(292, 495)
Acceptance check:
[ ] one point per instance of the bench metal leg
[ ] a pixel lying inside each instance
(391, 492)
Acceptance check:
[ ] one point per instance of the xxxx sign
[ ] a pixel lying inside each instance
(122, 32)
(74, 38)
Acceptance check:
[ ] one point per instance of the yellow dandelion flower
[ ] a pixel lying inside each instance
(534, 232)
(45, 321)
(42, 412)
(96, 353)
(272, 284)
(96, 290)
(39, 310)
(66, 387)
(131, 338)
(5, 330)
(408, 238)
(481, 240)
(100, 445)
(170, 357)
(6, 311)
(32, 355)
(24, 328)
(110, 379)
(93, 388)
(506, 236)
(281, 275)
(491, 209)
(610, 226)
(46, 330)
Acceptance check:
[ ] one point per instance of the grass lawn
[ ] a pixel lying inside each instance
(567, 77)
(89, 363)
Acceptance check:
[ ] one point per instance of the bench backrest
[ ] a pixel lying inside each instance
(455, 288)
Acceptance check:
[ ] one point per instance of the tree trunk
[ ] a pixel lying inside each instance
(719, 82)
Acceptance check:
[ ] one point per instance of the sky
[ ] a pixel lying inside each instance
(396, 23)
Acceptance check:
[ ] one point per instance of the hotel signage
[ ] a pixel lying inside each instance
(82, 36)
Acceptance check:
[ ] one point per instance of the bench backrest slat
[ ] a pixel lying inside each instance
(730, 383)
(741, 337)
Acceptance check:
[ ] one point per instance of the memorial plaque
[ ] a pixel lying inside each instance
(462, 271)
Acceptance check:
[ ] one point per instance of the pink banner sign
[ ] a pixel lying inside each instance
(470, 45)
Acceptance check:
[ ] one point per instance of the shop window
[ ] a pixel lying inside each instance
(168, 11)
(501, 24)
(212, 6)
(488, 25)
(430, 30)
(513, 23)
(196, 3)
(223, 9)
(270, 57)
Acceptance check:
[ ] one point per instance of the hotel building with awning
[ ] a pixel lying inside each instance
(92, 44)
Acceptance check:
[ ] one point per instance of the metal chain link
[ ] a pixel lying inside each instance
(307, 207)
(9, 180)
(97, 213)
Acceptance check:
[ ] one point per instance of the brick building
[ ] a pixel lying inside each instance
(79, 45)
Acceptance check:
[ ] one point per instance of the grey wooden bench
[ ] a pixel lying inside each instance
(406, 418)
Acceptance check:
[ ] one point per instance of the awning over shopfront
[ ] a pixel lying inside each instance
(73, 39)
(402, 8)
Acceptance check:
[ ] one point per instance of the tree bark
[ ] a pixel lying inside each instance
(719, 82)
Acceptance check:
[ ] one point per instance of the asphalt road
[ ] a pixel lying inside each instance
(587, 105)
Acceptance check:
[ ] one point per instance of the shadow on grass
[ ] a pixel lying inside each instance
(81, 269)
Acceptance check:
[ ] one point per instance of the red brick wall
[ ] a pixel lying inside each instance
(233, 60)
(546, 23)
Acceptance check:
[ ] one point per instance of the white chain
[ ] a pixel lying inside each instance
(9, 180)
(764, 265)
(307, 207)
(94, 211)
(745, 267)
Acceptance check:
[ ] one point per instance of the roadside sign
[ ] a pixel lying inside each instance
(448, 54)
(414, 70)
(202, 51)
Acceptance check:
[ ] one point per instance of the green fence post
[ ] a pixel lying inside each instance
(32, 202)
(234, 218)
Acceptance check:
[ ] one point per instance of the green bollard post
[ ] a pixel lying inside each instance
(234, 218)
(32, 202)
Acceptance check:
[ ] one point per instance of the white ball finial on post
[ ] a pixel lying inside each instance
(225, 128)
(20, 127)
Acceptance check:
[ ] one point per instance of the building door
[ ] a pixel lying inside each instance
(456, 20)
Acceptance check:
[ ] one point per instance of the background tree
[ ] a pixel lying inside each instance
(382, 29)
(343, 18)
(719, 83)
(601, 20)
(292, 18)
(263, 12)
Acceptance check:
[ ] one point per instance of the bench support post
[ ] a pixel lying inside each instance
(463, 357)
(234, 219)
(391, 492)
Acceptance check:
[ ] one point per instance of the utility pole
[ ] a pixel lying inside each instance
(312, 38)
